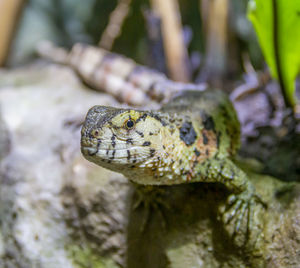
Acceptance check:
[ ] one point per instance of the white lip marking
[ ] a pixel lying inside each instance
(121, 153)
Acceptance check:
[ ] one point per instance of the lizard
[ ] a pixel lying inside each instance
(192, 138)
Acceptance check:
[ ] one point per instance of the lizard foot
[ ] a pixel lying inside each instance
(150, 198)
(242, 218)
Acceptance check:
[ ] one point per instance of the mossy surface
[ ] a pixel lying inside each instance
(86, 258)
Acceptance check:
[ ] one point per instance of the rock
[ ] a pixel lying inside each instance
(58, 210)
(43, 106)
(4, 138)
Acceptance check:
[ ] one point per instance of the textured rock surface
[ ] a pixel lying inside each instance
(4, 138)
(42, 107)
(58, 210)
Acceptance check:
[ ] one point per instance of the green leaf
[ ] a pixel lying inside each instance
(277, 24)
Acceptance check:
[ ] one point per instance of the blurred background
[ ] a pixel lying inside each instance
(59, 210)
(196, 41)
(216, 35)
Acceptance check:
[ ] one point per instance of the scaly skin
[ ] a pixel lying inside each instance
(191, 139)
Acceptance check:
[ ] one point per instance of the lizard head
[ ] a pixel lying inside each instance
(118, 139)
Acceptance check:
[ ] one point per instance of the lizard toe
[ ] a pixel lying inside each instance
(242, 219)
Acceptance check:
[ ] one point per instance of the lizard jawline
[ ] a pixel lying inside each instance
(120, 156)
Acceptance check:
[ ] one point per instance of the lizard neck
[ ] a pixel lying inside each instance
(179, 156)
(167, 163)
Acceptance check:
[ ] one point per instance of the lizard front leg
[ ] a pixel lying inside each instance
(241, 215)
(151, 199)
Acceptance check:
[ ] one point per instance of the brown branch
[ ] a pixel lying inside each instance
(116, 20)
(9, 15)
(175, 50)
(215, 20)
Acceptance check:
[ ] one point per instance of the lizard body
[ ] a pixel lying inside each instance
(193, 138)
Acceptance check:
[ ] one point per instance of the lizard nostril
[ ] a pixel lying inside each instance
(95, 133)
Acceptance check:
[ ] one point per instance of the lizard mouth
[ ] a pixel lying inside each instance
(124, 155)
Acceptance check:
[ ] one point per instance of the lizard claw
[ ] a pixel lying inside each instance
(242, 218)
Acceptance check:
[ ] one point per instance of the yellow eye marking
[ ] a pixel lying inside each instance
(121, 119)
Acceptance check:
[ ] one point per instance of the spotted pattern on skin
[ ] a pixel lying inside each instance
(208, 122)
(169, 146)
(187, 133)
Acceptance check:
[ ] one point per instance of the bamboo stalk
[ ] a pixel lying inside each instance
(116, 20)
(215, 22)
(175, 50)
(9, 15)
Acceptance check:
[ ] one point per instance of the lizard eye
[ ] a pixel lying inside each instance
(129, 124)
